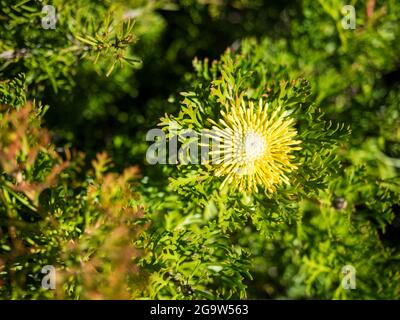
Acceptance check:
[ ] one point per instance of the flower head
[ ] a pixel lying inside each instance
(255, 146)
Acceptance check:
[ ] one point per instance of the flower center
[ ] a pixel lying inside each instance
(254, 146)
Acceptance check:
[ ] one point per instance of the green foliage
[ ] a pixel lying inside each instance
(49, 56)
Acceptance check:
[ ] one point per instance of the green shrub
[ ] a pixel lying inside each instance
(325, 195)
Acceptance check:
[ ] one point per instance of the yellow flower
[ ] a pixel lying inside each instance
(255, 146)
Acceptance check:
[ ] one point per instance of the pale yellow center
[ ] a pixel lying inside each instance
(254, 146)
